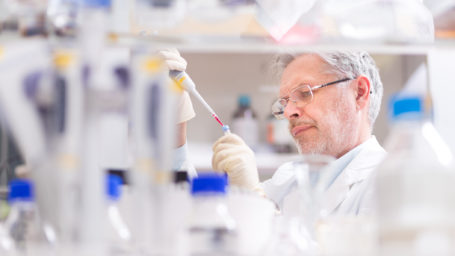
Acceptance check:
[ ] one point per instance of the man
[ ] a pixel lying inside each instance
(331, 101)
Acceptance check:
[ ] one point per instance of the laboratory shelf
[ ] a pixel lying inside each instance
(258, 44)
(254, 44)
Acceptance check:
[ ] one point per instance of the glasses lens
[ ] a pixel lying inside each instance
(278, 108)
(302, 95)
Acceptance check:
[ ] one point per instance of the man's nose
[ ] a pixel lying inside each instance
(291, 111)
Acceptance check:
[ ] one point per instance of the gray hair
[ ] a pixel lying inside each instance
(345, 64)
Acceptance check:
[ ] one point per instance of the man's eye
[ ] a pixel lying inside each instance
(304, 94)
(284, 101)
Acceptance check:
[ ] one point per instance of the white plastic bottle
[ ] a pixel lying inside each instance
(211, 229)
(24, 227)
(244, 122)
(119, 234)
(415, 186)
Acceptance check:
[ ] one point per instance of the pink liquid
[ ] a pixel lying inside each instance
(217, 119)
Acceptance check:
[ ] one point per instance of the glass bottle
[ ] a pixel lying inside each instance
(28, 234)
(211, 229)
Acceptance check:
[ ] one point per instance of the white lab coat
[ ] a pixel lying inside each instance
(349, 194)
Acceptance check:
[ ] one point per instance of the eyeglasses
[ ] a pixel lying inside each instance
(301, 95)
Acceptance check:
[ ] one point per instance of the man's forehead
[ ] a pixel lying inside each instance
(305, 69)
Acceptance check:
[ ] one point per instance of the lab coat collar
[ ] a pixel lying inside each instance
(361, 166)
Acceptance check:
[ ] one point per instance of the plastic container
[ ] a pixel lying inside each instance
(24, 227)
(415, 186)
(244, 122)
(158, 14)
(211, 229)
(396, 21)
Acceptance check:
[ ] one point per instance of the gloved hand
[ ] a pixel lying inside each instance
(233, 156)
(174, 61)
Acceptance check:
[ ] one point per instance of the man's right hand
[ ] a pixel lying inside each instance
(174, 61)
(233, 156)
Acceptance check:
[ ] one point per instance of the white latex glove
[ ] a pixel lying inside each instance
(174, 61)
(233, 156)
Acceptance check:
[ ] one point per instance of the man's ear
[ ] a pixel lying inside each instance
(362, 86)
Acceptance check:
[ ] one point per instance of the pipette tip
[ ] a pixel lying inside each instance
(226, 129)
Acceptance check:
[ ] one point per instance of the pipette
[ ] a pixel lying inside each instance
(184, 81)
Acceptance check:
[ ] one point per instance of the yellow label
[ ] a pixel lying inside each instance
(63, 59)
(153, 65)
(177, 85)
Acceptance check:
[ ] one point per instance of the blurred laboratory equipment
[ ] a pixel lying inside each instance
(211, 229)
(60, 103)
(303, 208)
(28, 233)
(91, 40)
(25, 126)
(278, 17)
(6, 243)
(415, 185)
(10, 156)
(287, 239)
(158, 14)
(254, 216)
(244, 121)
(119, 234)
(152, 113)
(62, 17)
(181, 179)
(26, 17)
(313, 175)
(387, 21)
(278, 135)
(217, 10)
(444, 17)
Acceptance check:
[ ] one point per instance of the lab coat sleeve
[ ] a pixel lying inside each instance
(181, 161)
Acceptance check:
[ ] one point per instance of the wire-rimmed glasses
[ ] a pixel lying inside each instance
(301, 95)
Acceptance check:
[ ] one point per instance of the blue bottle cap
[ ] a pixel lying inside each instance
(410, 105)
(21, 189)
(244, 100)
(96, 3)
(209, 183)
(113, 186)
